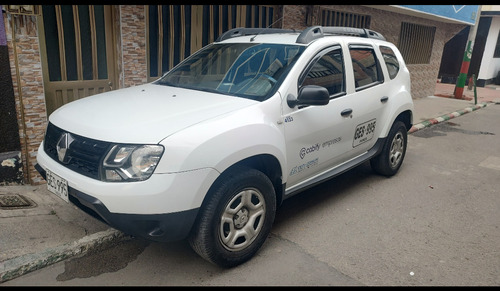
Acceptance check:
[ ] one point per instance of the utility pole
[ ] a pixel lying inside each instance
(459, 88)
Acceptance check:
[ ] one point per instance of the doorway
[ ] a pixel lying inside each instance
(76, 42)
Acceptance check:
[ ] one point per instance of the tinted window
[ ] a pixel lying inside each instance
(249, 70)
(390, 61)
(366, 68)
(328, 72)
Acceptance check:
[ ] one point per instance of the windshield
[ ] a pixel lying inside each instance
(246, 70)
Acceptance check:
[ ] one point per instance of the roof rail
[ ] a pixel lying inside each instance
(315, 32)
(306, 36)
(242, 31)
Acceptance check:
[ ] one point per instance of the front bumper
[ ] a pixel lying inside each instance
(156, 227)
(162, 208)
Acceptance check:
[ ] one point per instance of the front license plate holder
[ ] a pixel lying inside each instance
(57, 185)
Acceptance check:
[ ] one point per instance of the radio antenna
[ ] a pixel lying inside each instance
(253, 37)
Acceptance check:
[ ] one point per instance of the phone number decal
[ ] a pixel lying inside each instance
(364, 132)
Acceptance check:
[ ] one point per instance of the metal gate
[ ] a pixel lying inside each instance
(76, 42)
(176, 31)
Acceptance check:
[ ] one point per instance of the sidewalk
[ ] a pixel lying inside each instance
(443, 105)
(38, 228)
(42, 229)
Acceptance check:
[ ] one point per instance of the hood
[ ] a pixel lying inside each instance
(142, 114)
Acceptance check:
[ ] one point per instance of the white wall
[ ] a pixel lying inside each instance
(489, 65)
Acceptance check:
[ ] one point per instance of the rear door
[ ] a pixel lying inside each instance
(369, 100)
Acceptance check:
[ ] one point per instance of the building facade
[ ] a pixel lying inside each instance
(61, 53)
(485, 58)
(485, 62)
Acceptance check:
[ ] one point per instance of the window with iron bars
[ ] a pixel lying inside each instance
(339, 18)
(177, 31)
(415, 42)
(75, 41)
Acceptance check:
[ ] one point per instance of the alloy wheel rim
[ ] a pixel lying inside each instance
(397, 148)
(242, 220)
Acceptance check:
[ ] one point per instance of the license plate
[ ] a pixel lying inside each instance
(364, 132)
(57, 185)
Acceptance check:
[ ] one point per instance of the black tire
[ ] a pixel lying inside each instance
(236, 219)
(389, 161)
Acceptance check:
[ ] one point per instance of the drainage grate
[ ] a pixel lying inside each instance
(15, 201)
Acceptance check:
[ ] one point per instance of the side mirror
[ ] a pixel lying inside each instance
(309, 95)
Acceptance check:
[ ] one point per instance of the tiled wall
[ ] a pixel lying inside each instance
(11, 170)
(133, 44)
(24, 51)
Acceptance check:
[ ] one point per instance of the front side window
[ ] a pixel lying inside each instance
(367, 71)
(328, 72)
(245, 70)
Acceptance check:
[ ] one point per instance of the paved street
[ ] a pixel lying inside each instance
(436, 223)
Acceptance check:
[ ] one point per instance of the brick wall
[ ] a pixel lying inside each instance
(11, 167)
(133, 45)
(294, 17)
(9, 130)
(24, 51)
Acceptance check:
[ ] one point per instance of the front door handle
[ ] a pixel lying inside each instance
(346, 112)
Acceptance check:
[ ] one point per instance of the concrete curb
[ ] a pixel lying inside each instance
(21, 265)
(445, 117)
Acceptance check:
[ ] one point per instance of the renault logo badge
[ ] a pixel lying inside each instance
(63, 146)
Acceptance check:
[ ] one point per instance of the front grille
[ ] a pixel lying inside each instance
(83, 156)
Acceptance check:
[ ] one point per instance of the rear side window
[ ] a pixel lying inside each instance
(391, 61)
(366, 68)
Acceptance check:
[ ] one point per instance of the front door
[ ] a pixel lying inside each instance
(319, 137)
(76, 42)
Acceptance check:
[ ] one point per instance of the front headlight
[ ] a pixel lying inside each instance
(126, 163)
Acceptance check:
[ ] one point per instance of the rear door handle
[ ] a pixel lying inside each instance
(384, 99)
(346, 112)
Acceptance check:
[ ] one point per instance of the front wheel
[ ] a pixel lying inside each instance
(389, 161)
(237, 218)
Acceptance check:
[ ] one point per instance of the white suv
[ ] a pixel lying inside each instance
(212, 148)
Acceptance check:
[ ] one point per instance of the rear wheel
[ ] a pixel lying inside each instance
(389, 161)
(236, 220)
